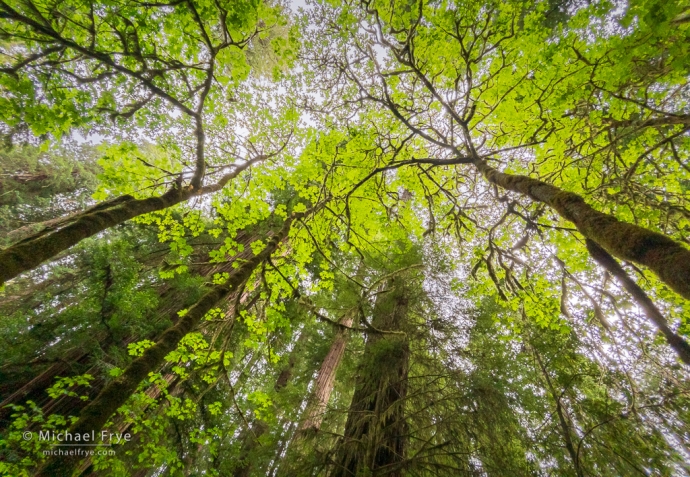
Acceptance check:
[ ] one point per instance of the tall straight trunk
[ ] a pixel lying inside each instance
(325, 378)
(250, 436)
(62, 234)
(375, 435)
(677, 343)
(94, 416)
(664, 256)
(34, 389)
(562, 417)
(122, 425)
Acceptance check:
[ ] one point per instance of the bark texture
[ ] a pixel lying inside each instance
(325, 379)
(115, 394)
(375, 437)
(46, 244)
(668, 259)
(61, 234)
(679, 345)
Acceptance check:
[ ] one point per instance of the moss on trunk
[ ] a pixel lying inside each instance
(664, 256)
(94, 416)
(48, 243)
(60, 234)
(376, 430)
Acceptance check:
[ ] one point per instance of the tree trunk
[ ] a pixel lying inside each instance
(325, 379)
(34, 388)
(63, 234)
(115, 394)
(562, 418)
(46, 244)
(250, 437)
(679, 345)
(376, 432)
(664, 256)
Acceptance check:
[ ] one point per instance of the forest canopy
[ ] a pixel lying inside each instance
(344, 238)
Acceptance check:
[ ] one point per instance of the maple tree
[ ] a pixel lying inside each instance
(354, 238)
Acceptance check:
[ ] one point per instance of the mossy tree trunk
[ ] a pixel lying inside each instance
(664, 256)
(61, 234)
(46, 244)
(94, 416)
(375, 437)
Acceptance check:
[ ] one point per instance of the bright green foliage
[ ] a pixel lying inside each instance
(370, 122)
(63, 385)
(19, 453)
